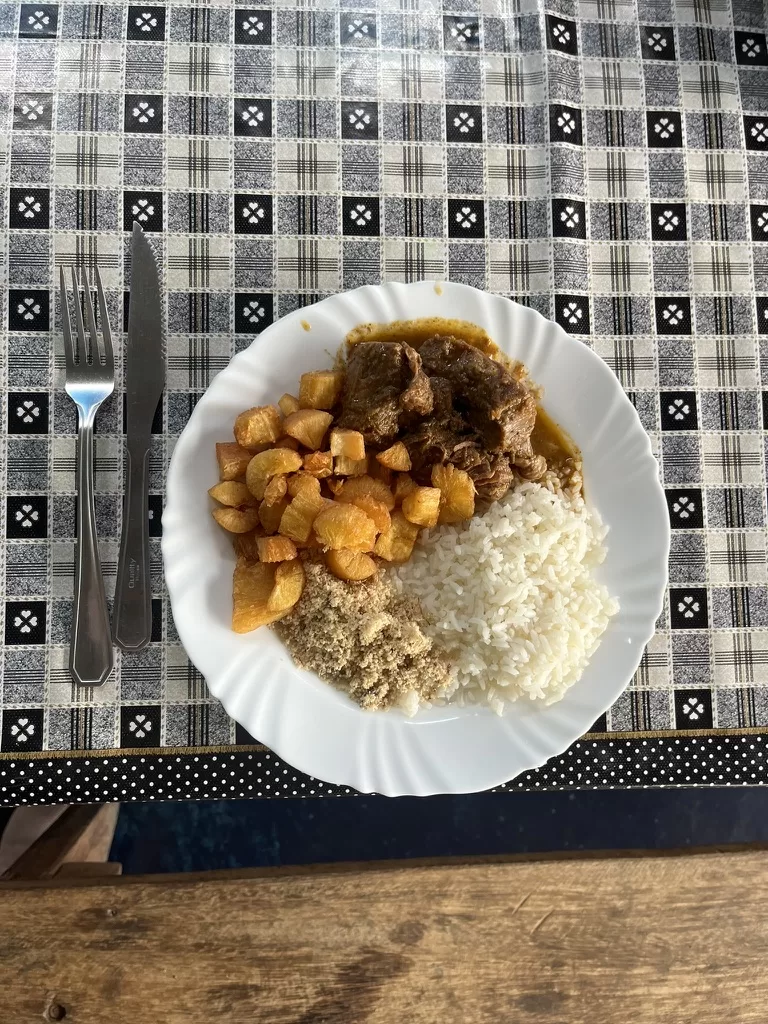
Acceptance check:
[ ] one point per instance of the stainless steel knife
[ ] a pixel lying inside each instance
(144, 371)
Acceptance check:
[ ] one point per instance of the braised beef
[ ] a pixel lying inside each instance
(531, 468)
(385, 388)
(500, 408)
(443, 397)
(469, 456)
(448, 403)
(493, 479)
(417, 397)
(432, 442)
(376, 377)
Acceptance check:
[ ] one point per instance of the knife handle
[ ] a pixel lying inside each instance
(132, 625)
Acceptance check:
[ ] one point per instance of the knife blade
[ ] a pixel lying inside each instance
(144, 371)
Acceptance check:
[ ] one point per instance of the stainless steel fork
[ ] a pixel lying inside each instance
(90, 379)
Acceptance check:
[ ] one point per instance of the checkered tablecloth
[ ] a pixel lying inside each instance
(604, 161)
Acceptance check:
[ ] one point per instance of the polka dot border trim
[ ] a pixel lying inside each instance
(735, 760)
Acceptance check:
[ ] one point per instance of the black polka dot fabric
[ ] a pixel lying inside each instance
(590, 763)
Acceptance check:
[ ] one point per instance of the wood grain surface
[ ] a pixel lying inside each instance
(661, 940)
(82, 834)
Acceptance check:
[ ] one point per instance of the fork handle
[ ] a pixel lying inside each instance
(133, 598)
(91, 657)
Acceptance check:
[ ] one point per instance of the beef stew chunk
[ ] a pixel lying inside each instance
(418, 397)
(374, 382)
(500, 408)
(448, 403)
(384, 380)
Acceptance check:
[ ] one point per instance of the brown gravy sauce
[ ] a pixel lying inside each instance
(548, 438)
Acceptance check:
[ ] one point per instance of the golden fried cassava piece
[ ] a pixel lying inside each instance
(397, 543)
(299, 516)
(376, 510)
(252, 585)
(320, 389)
(349, 443)
(275, 489)
(265, 465)
(289, 584)
(237, 520)
(366, 485)
(345, 526)
(288, 404)
(257, 426)
(233, 459)
(232, 493)
(457, 493)
(404, 484)
(275, 549)
(422, 506)
(319, 464)
(302, 481)
(350, 467)
(308, 426)
(270, 515)
(351, 566)
(396, 457)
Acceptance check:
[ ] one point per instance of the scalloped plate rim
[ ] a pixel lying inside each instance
(359, 770)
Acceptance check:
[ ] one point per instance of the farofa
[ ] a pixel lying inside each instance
(365, 639)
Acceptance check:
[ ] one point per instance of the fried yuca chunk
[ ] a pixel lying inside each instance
(296, 522)
(246, 545)
(349, 443)
(404, 484)
(343, 466)
(231, 492)
(303, 481)
(396, 545)
(289, 586)
(233, 459)
(379, 472)
(375, 510)
(345, 526)
(287, 442)
(270, 515)
(319, 464)
(422, 506)
(396, 457)
(252, 586)
(288, 404)
(257, 426)
(308, 426)
(320, 389)
(237, 520)
(351, 566)
(275, 489)
(275, 549)
(357, 486)
(265, 465)
(457, 493)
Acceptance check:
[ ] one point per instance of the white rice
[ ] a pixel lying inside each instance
(511, 596)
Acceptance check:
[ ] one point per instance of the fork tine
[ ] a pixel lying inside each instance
(82, 346)
(91, 319)
(105, 328)
(69, 349)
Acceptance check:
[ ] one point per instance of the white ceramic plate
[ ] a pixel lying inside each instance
(311, 725)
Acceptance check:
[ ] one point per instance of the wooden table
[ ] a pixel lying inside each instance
(630, 940)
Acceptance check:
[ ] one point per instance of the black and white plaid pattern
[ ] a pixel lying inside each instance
(604, 161)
